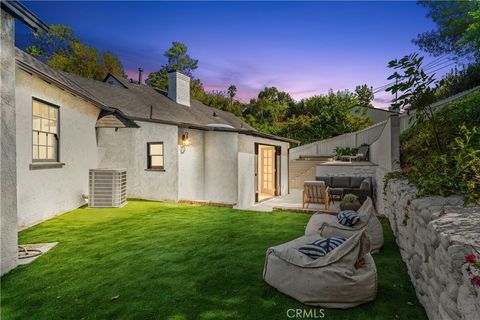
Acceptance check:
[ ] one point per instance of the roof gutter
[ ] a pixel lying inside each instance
(210, 128)
(19, 11)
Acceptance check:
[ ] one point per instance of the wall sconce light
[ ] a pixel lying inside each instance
(184, 141)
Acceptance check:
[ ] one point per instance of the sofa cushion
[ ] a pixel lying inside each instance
(356, 181)
(340, 182)
(321, 247)
(336, 191)
(327, 180)
(348, 218)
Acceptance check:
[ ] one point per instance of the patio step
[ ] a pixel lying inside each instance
(323, 158)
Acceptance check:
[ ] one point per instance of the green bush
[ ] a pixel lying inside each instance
(457, 81)
(350, 198)
(455, 168)
(347, 151)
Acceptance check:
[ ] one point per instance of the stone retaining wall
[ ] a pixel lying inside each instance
(434, 235)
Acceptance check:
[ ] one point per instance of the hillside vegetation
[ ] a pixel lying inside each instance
(455, 167)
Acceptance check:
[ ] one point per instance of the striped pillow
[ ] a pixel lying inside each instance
(348, 218)
(321, 247)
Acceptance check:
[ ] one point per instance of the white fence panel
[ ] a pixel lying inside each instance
(327, 147)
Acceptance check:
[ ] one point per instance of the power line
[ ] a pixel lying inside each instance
(428, 73)
(436, 60)
(439, 65)
(432, 64)
(451, 64)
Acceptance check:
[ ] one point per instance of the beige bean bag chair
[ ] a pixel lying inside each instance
(327, 225)
(345, 277)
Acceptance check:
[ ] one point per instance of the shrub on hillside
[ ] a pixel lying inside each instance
(455, 168)
(457, 81)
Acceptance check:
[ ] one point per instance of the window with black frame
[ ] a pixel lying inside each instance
(155, 156)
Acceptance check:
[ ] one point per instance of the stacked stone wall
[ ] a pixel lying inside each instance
(434, 235)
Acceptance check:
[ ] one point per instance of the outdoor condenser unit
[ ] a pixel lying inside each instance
(107, 188)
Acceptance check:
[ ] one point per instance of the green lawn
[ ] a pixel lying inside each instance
(173, 261)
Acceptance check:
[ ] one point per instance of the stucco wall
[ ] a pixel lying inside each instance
(246, 168)
(434, 235)
(191, 177)
(127, 148)
(44, 193)
(221, 166)
(377, 115)
(8, 187)
(385, 152)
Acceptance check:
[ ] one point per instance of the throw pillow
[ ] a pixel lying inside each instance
(348, 218)
(321, 247)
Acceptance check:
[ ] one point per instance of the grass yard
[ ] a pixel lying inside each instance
(174, 261)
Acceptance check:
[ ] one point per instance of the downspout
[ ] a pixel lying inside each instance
(288, 169)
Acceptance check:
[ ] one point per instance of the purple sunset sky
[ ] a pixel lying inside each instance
(304, 48)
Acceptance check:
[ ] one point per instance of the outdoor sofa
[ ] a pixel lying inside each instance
(343, 278)
(339, 186)
(327, 225)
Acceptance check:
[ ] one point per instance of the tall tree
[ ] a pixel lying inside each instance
(58, 40)
(472, 34)
(232, 92)
(62, 50)
(177, 59)
(109, 63)
(364, 95)
(271, 105)
(455, 33)
(320, 117)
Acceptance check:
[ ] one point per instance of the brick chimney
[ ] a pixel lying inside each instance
(179, 87)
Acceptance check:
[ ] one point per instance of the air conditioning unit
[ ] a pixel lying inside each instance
(107, 188)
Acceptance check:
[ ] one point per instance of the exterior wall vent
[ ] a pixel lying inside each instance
(107, 188)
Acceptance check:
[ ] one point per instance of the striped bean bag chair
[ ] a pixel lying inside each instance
(343, 278)
(328, 225)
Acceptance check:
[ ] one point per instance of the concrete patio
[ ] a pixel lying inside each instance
(292, 202)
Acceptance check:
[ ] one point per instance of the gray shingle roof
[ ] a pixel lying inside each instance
(138, 102)
(32, 65)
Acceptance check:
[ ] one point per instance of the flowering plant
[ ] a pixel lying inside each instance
(473, 267)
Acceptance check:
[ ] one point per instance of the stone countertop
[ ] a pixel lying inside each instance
(348, 164)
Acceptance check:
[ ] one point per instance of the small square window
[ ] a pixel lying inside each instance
(155, 157)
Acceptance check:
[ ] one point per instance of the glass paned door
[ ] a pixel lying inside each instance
(267, 157)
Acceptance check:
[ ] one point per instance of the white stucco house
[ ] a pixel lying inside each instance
(173, 147)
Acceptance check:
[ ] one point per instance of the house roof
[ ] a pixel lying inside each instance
(31, 65)
(19, 11)
(140, 102)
